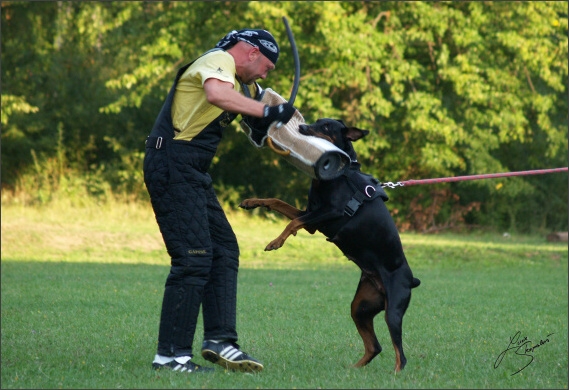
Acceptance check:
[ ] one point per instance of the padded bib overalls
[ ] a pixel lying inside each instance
(201, 243)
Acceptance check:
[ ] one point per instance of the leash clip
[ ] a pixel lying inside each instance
(367, 188)
(392, 185)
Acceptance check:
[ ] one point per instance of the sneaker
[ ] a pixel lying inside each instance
(183, 364)
(229, 356)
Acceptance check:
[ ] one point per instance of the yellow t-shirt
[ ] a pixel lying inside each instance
(191, 112)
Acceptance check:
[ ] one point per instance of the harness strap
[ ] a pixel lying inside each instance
(354, 203)
(370, 191)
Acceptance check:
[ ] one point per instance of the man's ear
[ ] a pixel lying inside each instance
(354, 134)
(254, 53)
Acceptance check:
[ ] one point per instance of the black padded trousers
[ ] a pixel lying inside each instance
(203, 250)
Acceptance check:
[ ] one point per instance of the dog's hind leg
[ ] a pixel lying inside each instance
(367, 303)
(396, 305)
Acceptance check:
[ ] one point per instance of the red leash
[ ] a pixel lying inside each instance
(471, 177)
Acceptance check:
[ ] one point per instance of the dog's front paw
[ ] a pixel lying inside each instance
(250, 204)
(274, 245)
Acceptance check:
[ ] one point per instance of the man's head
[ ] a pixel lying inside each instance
(261, 39)
(255, 51)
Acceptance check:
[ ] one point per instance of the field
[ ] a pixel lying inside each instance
(82, 287)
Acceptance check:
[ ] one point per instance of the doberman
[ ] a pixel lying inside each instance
(351, 213)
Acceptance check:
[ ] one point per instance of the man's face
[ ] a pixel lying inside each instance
(258, 68)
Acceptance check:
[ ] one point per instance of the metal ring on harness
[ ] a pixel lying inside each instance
(366, 189)
(274, 148)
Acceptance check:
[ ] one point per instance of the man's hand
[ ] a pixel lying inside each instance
(281, 113)
(259, 126)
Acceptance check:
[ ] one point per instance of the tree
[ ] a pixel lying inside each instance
(446, 88)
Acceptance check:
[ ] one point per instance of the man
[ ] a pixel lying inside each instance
(207, 95)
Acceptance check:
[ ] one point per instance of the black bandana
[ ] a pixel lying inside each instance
(261, 39)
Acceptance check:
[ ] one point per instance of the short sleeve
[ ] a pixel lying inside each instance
(218, 64)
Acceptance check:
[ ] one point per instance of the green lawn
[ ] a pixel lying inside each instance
(81, 293)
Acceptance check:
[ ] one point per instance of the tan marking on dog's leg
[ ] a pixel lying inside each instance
(291, 228)
(397, 359)
(271, 204)
(398, 352)
(367, 303)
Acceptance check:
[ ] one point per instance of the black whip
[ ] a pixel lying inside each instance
(296, 62)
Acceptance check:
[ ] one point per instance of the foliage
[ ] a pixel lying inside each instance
(446, 88)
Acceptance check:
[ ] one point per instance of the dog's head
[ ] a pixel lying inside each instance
(336, 132)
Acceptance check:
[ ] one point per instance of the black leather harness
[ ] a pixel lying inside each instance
(365, 188)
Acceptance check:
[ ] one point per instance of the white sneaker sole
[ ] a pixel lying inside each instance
(241, 365)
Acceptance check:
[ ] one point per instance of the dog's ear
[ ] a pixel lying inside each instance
(354, 134)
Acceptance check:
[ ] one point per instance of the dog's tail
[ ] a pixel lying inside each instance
(416, 283)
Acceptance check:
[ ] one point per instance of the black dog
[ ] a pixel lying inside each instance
(350, 211)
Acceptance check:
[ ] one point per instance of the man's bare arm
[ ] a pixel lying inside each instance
(222, 95)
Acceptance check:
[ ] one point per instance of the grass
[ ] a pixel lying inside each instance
(82, 288)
